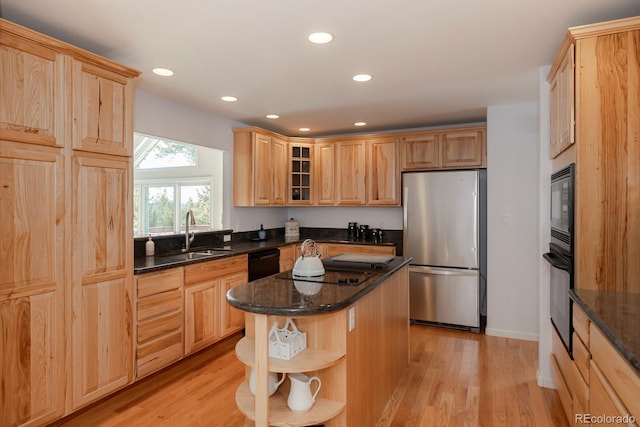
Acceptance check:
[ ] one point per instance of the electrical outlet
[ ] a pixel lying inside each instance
(352, 318)
(226, 238)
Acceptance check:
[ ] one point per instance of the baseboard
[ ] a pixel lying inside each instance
(527, 336)
(544, 381)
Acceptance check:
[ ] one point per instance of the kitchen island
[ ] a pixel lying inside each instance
(357, 325)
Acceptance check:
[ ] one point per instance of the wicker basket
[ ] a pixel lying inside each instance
(285, 343)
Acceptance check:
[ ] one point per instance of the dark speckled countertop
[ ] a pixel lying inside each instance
(278, 296)
(618, 317)
(149, 264)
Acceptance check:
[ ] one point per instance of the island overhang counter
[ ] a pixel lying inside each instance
(357, 326)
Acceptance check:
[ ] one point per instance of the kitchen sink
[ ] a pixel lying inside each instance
(196, 254)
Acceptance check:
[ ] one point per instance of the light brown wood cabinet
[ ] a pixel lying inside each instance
(288, 257)
(300, 190)
(66, 299)
(102, 285)
(420, 151)
(103, 102)
(159, 320)
(32, 283)
(562, 106)
(324, 175)
(208, 317)
(456, 148)
(605, 152)
(383, 174)
(259, 168)
(351, 172)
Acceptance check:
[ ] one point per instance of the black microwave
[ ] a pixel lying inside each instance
(562, 202)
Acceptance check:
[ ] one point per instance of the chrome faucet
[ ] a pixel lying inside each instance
(188, 238)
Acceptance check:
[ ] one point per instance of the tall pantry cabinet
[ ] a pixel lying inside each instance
(65, 234)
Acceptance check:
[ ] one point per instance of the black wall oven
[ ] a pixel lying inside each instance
(560, 254)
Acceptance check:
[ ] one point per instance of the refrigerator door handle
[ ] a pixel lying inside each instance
(442, 271)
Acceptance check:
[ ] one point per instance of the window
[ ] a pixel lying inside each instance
(170, 178)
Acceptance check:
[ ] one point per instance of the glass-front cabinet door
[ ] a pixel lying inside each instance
(300, 173)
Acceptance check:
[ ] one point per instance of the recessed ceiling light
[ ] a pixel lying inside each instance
(164, 72)
(273, 116)
(359, 124)
(362, 77)
(229, 98)
(320, 38)
(304, 129)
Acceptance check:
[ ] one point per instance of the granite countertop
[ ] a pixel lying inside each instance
(618, 317)
(282, 296)
(160, 262)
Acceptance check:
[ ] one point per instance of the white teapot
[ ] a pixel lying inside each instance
(309, 264)
(300, 398)
(274, 383)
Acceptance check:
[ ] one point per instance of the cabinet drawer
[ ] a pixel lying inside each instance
(616, 370)
(157, 354)
(158, 304)
(580, 391)
(581, 356)
(581, 324)
(214, 269)
(160, 325)
(162, 281)
(561, 385)
(604, 400)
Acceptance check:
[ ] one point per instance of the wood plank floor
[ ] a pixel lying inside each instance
(455, 378)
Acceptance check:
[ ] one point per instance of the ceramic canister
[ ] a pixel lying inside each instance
(291, 230)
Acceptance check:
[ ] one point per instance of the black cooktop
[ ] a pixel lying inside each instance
(336, 277)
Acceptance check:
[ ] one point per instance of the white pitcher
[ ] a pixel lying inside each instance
(300, 397)
(274, 383)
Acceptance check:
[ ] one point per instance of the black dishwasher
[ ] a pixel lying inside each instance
(263, 263)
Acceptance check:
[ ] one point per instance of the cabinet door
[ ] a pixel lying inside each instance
(383, 176)
(420, 151)
(103, 102)
(351, 172)
(554, 117)
(262, 169)
(278, 171)
(232, 319)
(463, 148)
(32, 297)
(202, 315)
(566, 103)
(102, 277)
(324, 177)
(32, 90)
(301, 170)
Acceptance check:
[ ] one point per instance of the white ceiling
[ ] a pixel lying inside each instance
(434, 62)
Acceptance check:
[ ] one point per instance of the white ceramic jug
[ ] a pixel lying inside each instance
(300, 397)
(274, 383)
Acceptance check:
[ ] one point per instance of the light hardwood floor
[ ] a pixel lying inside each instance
(454, 378)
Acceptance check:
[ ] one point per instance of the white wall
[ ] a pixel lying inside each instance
(340, 217)
(512, 221)
(544, 341)
(161, 117)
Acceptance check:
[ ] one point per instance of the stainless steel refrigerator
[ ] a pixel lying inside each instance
(445, 233)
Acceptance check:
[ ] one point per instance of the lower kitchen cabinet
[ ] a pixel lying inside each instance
(208, 318)
(160, 318)
(288, 257)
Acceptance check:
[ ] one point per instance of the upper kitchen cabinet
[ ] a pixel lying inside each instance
(351, 172)
(383, 175)
(463, 148)
(33, 90)
(606, 151)
(452, 148)
(562, 106)
(103, 104)
(420, 151)
(324, 176)
(300, 185)
(259, 168)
